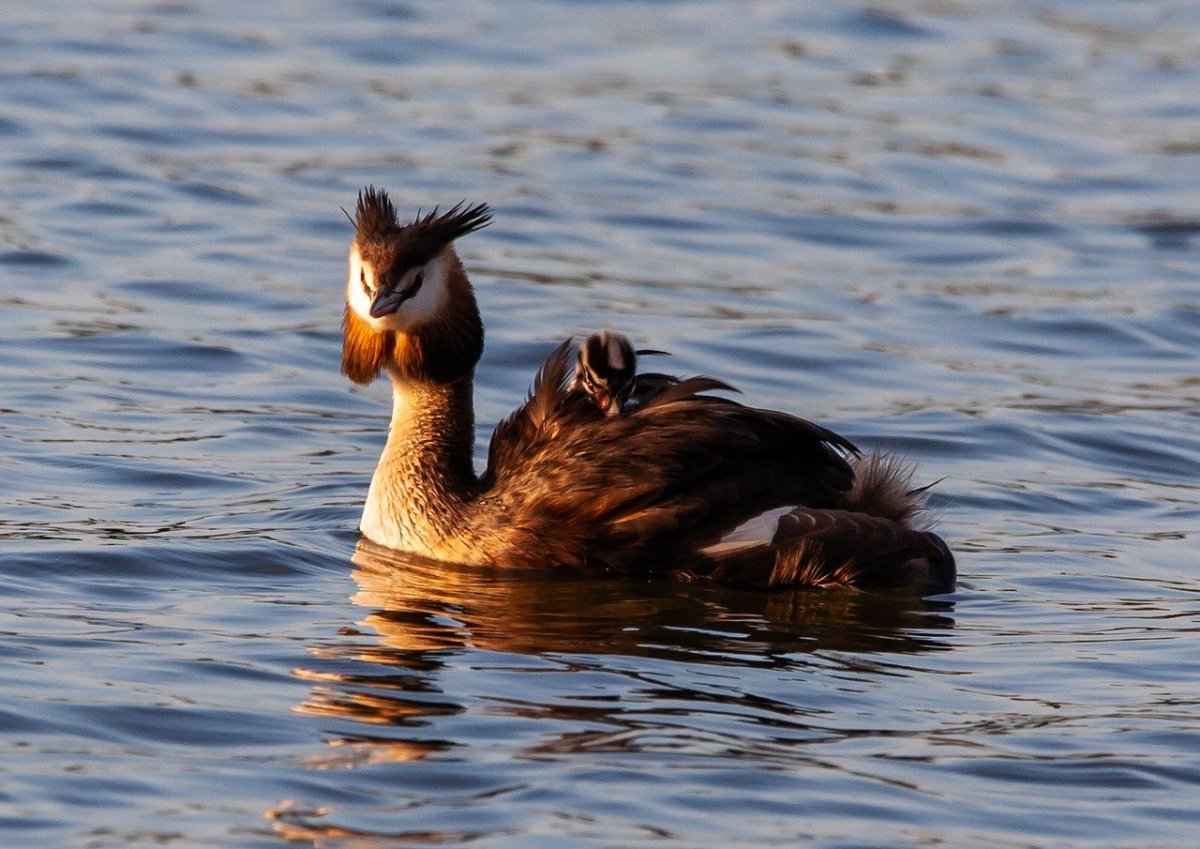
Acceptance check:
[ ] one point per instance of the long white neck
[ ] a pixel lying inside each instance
(425, 481)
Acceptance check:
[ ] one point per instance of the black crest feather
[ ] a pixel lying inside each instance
(420, 240)
(458, 220)
(376, 217)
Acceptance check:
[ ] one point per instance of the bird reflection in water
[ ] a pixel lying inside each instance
(633, 651)
(385, 670)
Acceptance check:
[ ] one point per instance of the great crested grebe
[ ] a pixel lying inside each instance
(682, 482)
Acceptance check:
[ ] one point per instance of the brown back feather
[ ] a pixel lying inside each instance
(633, 488)
(548, 407)
(681, 469)
(655, 388)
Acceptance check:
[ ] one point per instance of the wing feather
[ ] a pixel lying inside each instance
(667, 476)
(664, 482)
(836, 548)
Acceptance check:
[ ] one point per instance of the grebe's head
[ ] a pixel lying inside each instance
(409, 305)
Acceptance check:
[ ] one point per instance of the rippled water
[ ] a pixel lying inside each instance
(967, 230)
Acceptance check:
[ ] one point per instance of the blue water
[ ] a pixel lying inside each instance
(969, 231)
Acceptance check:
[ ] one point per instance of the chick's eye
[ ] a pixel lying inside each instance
(362, 277)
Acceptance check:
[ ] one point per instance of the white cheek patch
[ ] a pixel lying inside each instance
(423, 307)
(428, 302)
(356, 295)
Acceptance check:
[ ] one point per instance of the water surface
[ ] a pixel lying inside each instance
(963, 230)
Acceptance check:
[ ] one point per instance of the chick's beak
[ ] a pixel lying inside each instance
(606, 403)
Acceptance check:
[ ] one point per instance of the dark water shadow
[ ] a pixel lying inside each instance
(423, 615)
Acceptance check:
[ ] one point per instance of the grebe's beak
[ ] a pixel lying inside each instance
(387, 301)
